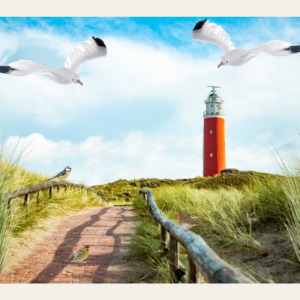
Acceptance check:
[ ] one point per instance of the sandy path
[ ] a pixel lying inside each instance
(107, 230)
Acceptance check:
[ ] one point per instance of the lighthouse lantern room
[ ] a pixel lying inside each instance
(214, 134)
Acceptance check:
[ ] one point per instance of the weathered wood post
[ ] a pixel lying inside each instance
(193, 274)
(50, 192)
(163, 238)
(174, 258)
(9, 204)
(38, 196)
(58, 188)
(148, 205)
(26, 200)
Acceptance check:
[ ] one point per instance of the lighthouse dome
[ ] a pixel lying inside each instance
(213, 96)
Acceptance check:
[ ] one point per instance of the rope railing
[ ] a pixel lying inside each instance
(47, 185)
(201, 259)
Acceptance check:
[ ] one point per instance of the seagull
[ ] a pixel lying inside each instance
(214, 34)
(91, 49)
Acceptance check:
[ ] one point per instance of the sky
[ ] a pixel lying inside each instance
(139, 113)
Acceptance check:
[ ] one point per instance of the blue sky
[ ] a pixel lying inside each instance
(140, 111)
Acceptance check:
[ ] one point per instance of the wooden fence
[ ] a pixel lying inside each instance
(47, 185)
(201, 259)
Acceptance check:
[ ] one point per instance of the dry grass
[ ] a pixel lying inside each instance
(241, 226)
(22, 221)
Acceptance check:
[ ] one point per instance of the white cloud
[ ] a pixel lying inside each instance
(98, 161)
(265, 136)
(133, 72)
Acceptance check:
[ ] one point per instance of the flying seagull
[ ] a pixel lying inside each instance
(92, 49)
(214, 34)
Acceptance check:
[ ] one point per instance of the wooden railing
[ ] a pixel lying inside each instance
(47, 185)
(201, 259)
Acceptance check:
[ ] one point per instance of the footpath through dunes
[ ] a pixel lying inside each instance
(107, 230)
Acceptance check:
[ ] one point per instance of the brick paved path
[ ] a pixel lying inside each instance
(105, 230)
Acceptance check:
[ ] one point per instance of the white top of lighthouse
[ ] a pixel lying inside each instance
(214, 104)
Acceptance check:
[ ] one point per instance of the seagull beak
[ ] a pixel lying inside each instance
(78, 81)
(220, 64)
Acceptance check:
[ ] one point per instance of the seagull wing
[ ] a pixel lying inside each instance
(214, 34)
(92, 49)
(277, 48)
(26, 67)
(250, 54)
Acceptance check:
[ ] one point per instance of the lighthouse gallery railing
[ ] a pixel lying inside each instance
(214, 112)
(201, 259)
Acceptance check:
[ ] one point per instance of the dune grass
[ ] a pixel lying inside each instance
(8, 166)
(289, 165)
(234, 218)
(21, 219)
(62, 203)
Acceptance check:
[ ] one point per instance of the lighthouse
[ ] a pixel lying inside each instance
(213, 134)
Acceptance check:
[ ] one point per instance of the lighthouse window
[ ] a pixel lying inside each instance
(211, 155)
(211, 131)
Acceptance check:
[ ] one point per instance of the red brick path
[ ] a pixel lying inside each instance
(105, 230)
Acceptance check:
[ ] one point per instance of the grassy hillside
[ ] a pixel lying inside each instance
(21, 221)
(126, 190)
(251, 225)
(61, 204)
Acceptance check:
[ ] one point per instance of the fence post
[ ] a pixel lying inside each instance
(50, 192)
(163, 238)
(148, 206)
(38, 196)
(26, 200)
(9, 204)
(58, 188)
(193, 274)
(145, 196)
(174, 258)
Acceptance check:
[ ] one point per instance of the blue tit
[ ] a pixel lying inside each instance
(61, 176)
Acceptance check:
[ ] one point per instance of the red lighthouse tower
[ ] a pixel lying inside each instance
(214, 135)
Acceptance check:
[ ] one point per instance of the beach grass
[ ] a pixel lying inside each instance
(237, 220)
(17, 219)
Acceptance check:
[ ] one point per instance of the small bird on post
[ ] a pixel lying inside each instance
(187, 222)
(82, 254)
(61, 176)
